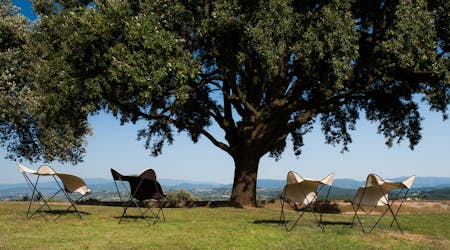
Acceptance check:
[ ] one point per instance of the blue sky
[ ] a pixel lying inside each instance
(115, 146)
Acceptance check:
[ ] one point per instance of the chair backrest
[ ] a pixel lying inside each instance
(408, 182)
(45, 170)
(144, 189)
(74, 184)
(148, 174)
(116, 175)
(328, 180)
(293, 178)
(376, 180)
(24, 169)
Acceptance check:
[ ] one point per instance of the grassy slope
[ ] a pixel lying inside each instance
(207, 228)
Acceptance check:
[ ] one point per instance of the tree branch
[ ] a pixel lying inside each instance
(217, 143)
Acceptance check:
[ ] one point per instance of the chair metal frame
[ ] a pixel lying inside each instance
(384, 188)
(309, 198)
(148, 177)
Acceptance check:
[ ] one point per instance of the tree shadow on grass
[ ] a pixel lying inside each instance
(135, 217)
(346, 223)
(266, 222)
(62, 211)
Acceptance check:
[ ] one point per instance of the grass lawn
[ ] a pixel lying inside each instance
(211, 228)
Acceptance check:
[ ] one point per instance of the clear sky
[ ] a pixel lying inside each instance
(115, 146)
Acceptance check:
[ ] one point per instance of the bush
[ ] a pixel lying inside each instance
(181, 195)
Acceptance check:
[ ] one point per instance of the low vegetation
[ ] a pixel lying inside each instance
(206, 228)
(181, 195)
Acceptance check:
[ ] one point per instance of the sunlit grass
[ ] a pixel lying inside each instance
(211, 228)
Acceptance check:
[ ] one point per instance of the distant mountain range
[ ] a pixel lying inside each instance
(100, 184)
(420, 182)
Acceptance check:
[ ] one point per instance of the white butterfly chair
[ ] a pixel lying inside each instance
(376, 194)
(301, 194)
(73, 185)
(37, 195)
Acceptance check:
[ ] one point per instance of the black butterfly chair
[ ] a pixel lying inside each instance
(142, 190)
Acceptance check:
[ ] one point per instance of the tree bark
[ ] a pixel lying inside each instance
(245, 176)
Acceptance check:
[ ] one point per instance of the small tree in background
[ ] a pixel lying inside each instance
(261, 71)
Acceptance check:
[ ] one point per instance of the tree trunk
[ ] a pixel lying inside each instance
(245, 176)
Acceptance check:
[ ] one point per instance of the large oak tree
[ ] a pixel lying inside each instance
(262, 71)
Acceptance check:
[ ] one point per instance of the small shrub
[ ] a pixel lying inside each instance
(181, 195)
(25, 198)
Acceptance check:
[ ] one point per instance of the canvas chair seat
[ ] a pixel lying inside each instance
(302, 193)
(375, 194)
(144, 189)
(73, 185)
(141, 190)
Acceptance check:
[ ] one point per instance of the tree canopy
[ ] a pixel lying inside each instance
(262, 71)
(27, 125)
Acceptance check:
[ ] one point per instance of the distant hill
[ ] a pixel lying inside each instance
(420, 182)
(268, 183)
(436, 194)
(348, 183)
(423, 182)
(426, 187)
(103, 184)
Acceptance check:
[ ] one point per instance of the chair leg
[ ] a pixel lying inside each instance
(357, 218)
(300, 214)
(398, 210)
(296, 221)
(72, 205)
(160, 210)
(285, 222)
(378, 221)
(38, 195)
(319, 221)
(127, 205)
(155, 215)
(394, 215)
(45, 203)
(282, 218)
(354, 216)
(147, 209)
(31, 201)
(139, 208)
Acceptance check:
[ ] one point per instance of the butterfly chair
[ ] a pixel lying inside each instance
(74, 189)
(301, 194)
(376, 194)
(142, 190)
(37, 195)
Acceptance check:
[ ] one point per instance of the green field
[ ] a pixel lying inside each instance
(211, 228)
